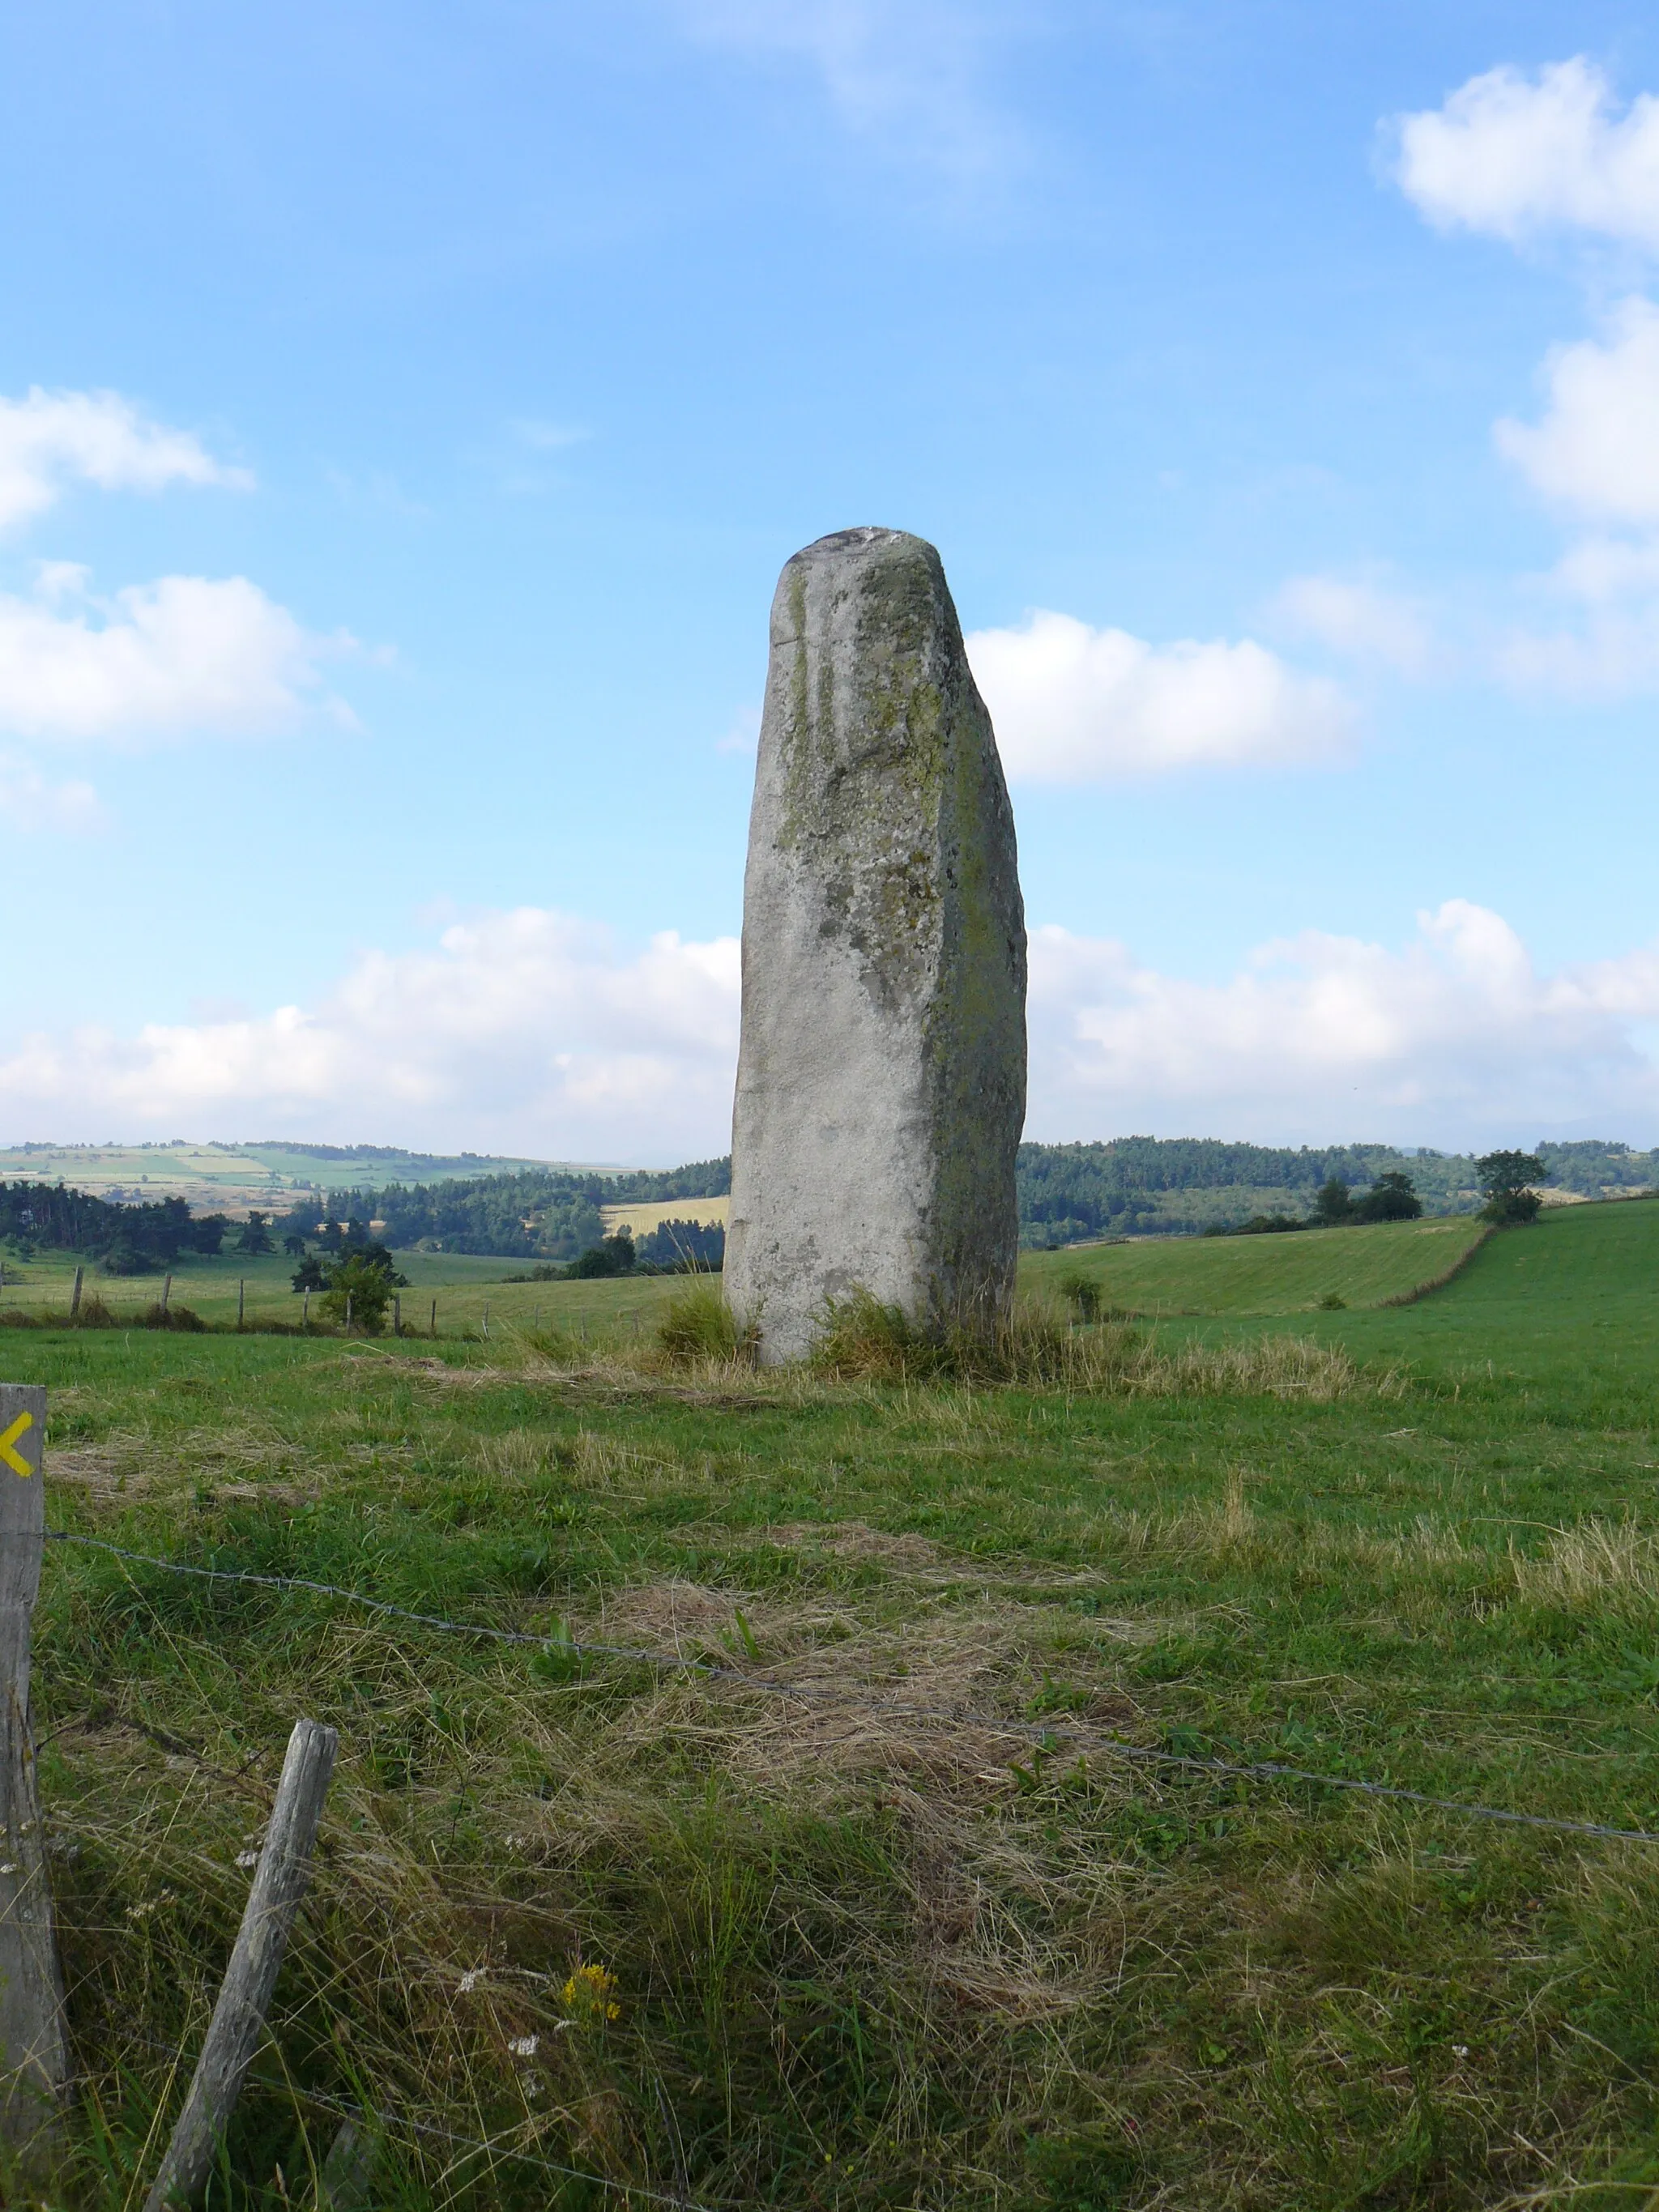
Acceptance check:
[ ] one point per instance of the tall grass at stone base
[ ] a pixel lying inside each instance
(862, 1341)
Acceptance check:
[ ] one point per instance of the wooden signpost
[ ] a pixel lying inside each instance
(34, 2053)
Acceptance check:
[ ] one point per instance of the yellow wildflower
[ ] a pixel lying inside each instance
(591, 1994)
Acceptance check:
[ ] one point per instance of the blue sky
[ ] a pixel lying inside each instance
(424, 401)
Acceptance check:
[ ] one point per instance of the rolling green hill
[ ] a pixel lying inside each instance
(1366, 1267)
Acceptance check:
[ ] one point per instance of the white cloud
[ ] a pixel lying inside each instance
(183, 654)
(529, 1032)
(1515, 155)
(51, 439)
(27, 801)
(521, 1030)
(1360, 621)
(1456, 1039)
(901, 72)
(1076, 705)
(1597, 446)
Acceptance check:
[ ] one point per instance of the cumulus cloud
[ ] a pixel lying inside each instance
(1457, 1039)
(1515, 155)
(1360, 621)
(1076, 705)
(184, 655)
(523, 1030)
(49, 439)
(529, 1032)
(1597, 447)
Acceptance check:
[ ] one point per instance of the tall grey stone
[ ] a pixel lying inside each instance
(881, 1078)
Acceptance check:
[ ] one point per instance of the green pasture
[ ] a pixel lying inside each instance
(467, 1292)
(1157, 1277)
(880, 1944)
(1289, 1273)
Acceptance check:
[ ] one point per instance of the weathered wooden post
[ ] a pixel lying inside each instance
(75, 1294)
(33, 2054)
(239, 2018)
(396, 1314)
(167, 1293)
(305, 1311)
(486, 1324)
(241, 1300)
(434, 1316)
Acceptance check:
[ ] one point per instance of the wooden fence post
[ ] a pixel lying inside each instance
(166, 1293)
(75, 1295)
(486, 1325)
(239, 2018)
(34, 2053)
(396, 1314)
(241, 1300)
(305, 1311)
(434, 1316)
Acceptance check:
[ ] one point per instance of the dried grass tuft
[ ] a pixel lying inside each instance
(1596, 1566)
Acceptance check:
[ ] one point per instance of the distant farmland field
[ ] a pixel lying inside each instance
(640, 1220)
(1366, 1266)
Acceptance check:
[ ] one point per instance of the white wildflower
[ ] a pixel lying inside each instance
(471, 1979)
(248, 1858)
(523, 2046)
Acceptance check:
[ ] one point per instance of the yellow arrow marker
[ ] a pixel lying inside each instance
(15, 1460)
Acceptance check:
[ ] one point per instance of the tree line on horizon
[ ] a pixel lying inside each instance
(1067, 1194)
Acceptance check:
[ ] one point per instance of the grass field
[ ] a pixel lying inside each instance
(874, 1945)
(1367, 1266)
(1178, 1276)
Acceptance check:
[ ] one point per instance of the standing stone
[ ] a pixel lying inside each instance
(881, 1080)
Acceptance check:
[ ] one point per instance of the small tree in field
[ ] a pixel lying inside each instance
(1335, 1203)
(1390, 1198)
(359, 1290)
(1506, 1178)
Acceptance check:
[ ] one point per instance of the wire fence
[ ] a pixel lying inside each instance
(1040, 1735)
(489, 2155)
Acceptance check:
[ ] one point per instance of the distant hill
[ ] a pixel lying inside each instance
(471, 1202)
(231, 1178)
(1152, 1186)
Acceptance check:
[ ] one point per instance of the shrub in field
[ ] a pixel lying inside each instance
(359, 1290)
(698, 1325)
(864, 1340)
(612, 1255)
(161, 1316)
(1507, 1179)
(1082, 1292)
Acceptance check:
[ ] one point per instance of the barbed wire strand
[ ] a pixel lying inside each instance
(357, 2112)
(1040, 1735)
(497, 2150)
